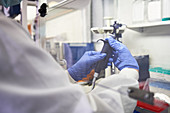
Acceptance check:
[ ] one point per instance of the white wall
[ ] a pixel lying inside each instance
(72, 27)
(69, 26)
(155, 40)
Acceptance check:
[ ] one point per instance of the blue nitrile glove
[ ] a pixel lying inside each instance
(122, 57)
(86, 63)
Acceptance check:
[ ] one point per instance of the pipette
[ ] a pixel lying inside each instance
(102, 64)
(116, 33)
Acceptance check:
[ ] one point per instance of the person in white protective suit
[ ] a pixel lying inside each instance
(31, 81)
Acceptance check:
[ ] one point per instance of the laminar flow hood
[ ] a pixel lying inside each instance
(57, 8)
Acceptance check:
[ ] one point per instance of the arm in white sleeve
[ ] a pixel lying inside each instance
(32, 82)
(110, 94)
(30, 79)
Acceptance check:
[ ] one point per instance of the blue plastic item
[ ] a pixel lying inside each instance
(159, 84)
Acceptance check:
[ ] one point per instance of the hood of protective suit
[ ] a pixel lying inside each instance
(8, 3)
(30, 79)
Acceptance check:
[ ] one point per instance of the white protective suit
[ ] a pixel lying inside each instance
(32, 82)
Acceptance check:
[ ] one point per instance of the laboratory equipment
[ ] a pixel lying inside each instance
(116, 33)
(161, 100)
(102, 64)
(154, 10)
(157, 85)
(147, 102)
(165, 10)
(138, 11)
(115, 30)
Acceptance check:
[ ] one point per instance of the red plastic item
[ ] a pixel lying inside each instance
(158, 106)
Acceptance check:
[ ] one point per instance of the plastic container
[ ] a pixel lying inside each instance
(165, 10)
(157, 86)
(138, 11)
(154, 10)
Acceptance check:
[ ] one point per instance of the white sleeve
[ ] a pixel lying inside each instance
(70, 78)
(110, 94)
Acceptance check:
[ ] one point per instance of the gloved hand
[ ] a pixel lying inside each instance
(86, 63)
(122, 57)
